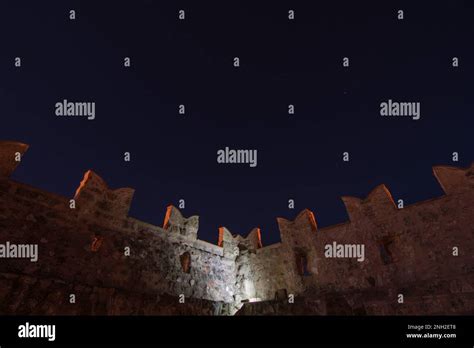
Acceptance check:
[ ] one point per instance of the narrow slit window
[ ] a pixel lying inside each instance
(186, 262)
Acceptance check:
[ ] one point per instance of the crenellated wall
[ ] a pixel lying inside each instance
(92, 241)
(424, 251)
(90, 247)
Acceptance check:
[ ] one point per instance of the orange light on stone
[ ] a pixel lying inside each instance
(83, 183)
(259, 238)
(220, 242)
(96, 243)
(167, 216)
(312, 221)
(185, 262)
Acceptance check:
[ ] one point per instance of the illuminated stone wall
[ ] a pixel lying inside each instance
(92, 242)
(418, 259)
(89, 247)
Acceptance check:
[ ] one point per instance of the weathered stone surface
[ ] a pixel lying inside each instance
(23, 295)
(11, 153)
(93, 195)
(434, 298)
(176, 223)
(117, 264)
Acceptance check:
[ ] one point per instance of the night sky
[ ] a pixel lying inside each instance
(282, 62)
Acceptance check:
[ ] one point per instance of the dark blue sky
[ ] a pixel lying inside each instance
(282, 62)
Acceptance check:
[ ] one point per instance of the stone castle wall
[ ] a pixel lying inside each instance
(89, 246)
(423, 251)
(96, 244)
